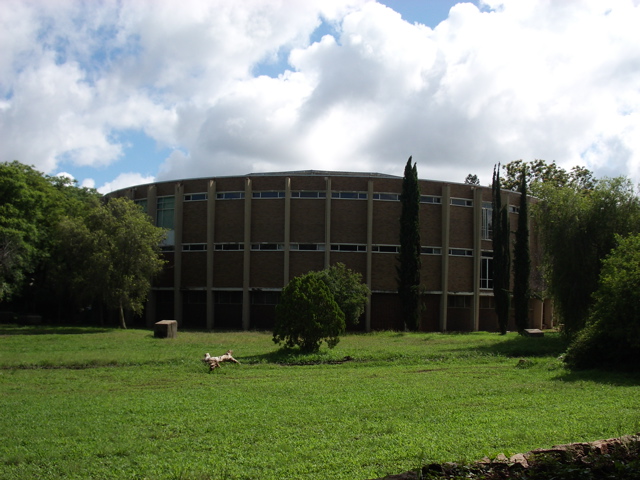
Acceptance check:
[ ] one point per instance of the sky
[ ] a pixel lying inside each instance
(115, 93)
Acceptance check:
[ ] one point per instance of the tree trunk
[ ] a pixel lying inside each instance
(122, 322)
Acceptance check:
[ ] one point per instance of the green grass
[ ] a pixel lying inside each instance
(101, 403)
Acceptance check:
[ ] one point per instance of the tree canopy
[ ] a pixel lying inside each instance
(307, 315)
(501, 241)
(348, 291)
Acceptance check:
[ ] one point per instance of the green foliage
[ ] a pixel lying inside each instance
(612, 336)
(501, 254)
(539, 172)
(348, 291)
(111, 255)
(307, 315)
(31, 204)
(522, 260)
(577, 230)
(409, 258)
(472, 180)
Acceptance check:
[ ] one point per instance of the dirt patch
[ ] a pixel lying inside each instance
(615, 458)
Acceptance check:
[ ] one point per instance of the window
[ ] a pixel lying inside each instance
(194, 247)
(228, 297)
(385, 248)
(349, 195)
(514, 209)
(462, 202)
(348, 247)
(265, 298)
(164, 216)
(487, 302)
(167, 248)
(142, 203)
(307, 247)
(305, 194)
(229, 246)
(392, 197)
(195, 197)
(267, 194)
(486, 270)
(459, 301)
(431, 250)
(460, 252)
(487, 220)
(267, 246)
(430, 199)
(230, 195)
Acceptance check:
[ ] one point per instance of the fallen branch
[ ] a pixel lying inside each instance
(214, 362)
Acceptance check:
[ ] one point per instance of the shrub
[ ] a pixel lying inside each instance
(307, 315)
(612, 336)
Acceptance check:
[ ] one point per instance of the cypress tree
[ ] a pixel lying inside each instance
(521, 261)
(501, 254)
(409, 258)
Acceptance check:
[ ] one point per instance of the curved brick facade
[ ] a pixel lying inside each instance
(236, 241)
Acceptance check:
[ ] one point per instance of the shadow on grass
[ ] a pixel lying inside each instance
(14, 329)
(605, 377)
(551, 345)
(293, 357)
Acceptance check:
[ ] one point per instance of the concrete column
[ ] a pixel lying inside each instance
(538, 312)
(446, 221)
(211, 217)
(367, 311)
(287, 229)
(177, 270)
(477, 256)
(246, 274)
(152, 209)
(327, 225)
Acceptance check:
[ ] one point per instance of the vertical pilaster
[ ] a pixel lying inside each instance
(177, 270)
(152, 209)
(211, 221)
(287, 229)
(246, 273)
(477, 256)
(446, 222)
(367, 310)
(327, 225)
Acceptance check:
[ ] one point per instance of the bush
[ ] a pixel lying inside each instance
(612, 336)
(307, 315)
(348, 291)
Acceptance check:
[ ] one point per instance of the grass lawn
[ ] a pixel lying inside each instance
(102, 403)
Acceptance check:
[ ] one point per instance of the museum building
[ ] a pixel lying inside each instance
(234, 242)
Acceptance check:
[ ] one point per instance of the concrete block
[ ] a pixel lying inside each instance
(166, 329)
(533, 332)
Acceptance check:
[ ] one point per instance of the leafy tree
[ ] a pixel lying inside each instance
(307, 315)
(111, 256)
(501, 254)
(577, 231)
(31, 204)
(522, 260)
(472, 180)
(409, 258)
(348, 290)
(612, 336)
(539, 172)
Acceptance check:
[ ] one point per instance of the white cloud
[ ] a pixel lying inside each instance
(124, 180)
(513, 79)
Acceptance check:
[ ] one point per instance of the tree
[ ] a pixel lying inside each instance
(111, 256)
(577, 231)
(409, 258)
(539, 172)
(612, 336)
(472, 180)
(501, 254)
(31, 204)
(307, 315)
(522, 260)
(347, 289)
